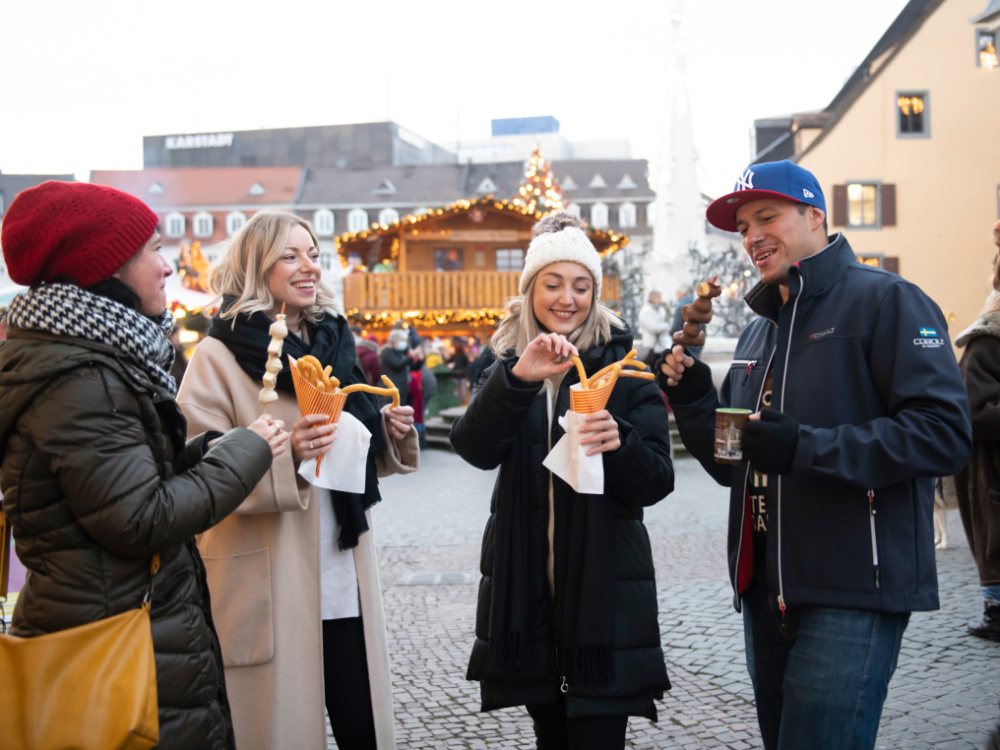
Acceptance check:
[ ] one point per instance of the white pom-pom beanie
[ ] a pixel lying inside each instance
(568, 244)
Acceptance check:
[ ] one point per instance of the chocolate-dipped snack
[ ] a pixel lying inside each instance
(697, 313)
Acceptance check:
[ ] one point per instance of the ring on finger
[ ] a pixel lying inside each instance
(310, 445)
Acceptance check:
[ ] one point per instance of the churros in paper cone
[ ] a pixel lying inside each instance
(592, 393)
(587, 402)
(313, 401)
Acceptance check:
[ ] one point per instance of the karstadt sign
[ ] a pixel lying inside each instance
(201, 140)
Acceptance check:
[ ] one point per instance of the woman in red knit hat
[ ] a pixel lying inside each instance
(96, 475)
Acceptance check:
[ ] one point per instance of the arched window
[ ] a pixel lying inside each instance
(599, 216)
(323, 222)
(626, 215)
(234, 221)
(357, 220)
(388, 216)
(175, 225)
(574, 208)
(203, 224)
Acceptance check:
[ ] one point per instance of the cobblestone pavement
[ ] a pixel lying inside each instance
(428, 530)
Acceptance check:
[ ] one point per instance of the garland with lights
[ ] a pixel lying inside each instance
(616, 240)
(487, 317)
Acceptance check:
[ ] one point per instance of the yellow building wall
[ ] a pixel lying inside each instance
(946, 185)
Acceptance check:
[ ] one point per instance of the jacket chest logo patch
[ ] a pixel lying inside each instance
(928, 338)
(821, 334)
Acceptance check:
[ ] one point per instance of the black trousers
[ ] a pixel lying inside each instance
(556, 731)
(345, 679)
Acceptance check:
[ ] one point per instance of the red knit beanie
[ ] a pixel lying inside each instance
(74, 229)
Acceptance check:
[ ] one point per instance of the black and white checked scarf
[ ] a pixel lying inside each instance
(67, 310)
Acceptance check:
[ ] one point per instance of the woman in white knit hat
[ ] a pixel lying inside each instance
(567, 616)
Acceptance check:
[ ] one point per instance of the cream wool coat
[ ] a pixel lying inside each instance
(263, 565)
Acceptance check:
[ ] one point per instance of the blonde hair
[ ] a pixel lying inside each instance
(247, 260)
(520, 327)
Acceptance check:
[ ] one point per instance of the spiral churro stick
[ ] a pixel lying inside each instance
(277, 331)
(594, 381)
(629, 360)
(389, 390)
(696, 313)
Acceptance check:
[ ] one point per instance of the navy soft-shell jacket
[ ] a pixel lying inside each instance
(862, 360)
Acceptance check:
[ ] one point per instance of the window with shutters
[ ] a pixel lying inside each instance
(323, 222)
(864, 205)
(175, 225)
(234, 221)
(599, 216)
(912, 114)
(626, 215)
(203, 224)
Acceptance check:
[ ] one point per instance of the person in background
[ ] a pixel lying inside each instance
(978, 483)
(479, 365)
(397, 361)
(293, 573)
(567, 616)
(685, 296)
(180, 357)
(96, 475)
(459, 366)
(654, 328)
(367, 356)
(858, 405)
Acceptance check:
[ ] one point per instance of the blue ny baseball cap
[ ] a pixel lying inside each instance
(783, 180)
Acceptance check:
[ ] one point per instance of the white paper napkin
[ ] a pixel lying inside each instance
(569, 461)
(344, 465)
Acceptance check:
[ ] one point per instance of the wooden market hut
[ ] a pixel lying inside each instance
(452, 267)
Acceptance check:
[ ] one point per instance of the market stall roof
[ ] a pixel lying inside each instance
(606, 241)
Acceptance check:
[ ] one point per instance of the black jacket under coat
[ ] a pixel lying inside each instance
(506, 426)
(96, 478)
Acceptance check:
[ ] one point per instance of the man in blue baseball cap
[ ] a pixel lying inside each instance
(858, 404)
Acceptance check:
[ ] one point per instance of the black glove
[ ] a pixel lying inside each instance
(695, 382)
(769, 442)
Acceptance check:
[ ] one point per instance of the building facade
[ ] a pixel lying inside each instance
(904, 151)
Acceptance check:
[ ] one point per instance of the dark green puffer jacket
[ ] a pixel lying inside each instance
(96, 478)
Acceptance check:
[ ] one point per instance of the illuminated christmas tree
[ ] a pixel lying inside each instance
(539, 191)
(192, 266)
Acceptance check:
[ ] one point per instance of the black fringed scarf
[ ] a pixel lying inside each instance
(583, 609)
(332, 344)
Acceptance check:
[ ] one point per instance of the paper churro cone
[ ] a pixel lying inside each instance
(313, 401)
(587, 402)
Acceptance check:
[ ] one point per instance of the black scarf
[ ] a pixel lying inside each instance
(583, 609)
(332, 344)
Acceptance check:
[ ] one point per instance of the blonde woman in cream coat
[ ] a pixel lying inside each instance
(292, 573)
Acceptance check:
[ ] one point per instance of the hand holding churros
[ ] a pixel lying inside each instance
(318, 392)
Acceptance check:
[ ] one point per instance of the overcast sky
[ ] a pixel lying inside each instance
(82, 82)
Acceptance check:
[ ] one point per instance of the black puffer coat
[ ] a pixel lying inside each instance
(96, 478)
(506, 426)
